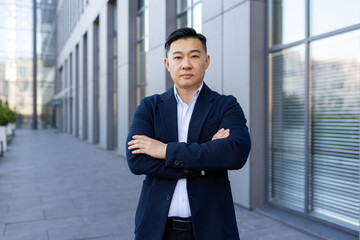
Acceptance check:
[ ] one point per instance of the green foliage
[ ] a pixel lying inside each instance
(6, 114)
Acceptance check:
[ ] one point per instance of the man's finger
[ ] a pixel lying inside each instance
(139, 137)
(222, 133)
(217, 134)
(133, 147)
(137, 151)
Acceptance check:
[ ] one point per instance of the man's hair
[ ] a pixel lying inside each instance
(184, 33)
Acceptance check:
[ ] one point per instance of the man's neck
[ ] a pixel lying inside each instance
(186, 94)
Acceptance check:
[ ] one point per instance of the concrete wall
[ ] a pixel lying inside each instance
(235, 31)
(156, 54)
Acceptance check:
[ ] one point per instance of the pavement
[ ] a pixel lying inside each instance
(54, 186)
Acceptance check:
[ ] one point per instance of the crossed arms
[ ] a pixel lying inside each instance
(224, 151)
(142, 144)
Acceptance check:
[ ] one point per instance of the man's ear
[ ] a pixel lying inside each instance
(207, 61)
(166, 62)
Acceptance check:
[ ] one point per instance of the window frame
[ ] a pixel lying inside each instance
(308, 109)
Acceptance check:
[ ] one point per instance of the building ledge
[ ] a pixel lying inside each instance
(306, 225)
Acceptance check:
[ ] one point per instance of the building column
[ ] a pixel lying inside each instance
(237, 68)
(126, 69)
(157, 36)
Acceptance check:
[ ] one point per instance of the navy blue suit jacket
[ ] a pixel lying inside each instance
(210, 197)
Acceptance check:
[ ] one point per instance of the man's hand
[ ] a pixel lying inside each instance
(144, 145)
(222, 133)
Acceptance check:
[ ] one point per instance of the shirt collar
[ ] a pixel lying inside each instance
(196, 93)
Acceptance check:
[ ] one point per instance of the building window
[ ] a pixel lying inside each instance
(314, 109)
(85, 88)
(287, 127)
(142, 48)
(330, 15)
(71, 93)
(189, 14)
(112, 77)
(77, 103)
(335, 127)
(96, 85)
(66, 100)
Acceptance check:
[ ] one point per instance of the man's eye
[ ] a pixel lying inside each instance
(195, 56)
(177, 58)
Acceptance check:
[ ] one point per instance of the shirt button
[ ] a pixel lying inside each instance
(168, 197)
(186, 170)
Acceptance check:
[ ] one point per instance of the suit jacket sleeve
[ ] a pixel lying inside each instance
(143, 124)
(217, 155)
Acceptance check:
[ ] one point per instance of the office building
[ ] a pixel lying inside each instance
(294, 67)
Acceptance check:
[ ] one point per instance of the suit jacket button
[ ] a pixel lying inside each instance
(168, 197)
(181, 163)
(186, 170)
(176, 162)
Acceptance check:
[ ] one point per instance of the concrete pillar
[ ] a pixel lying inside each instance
(126, 69)
(237, 68)
(103, 81)
(157, 37)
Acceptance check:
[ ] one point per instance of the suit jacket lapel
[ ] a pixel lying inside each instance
(168, 114)
(202, 108)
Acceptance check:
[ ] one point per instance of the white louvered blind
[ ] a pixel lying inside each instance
(287, 143)
(335, 78)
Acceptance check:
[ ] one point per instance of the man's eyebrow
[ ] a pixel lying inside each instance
(179, 52)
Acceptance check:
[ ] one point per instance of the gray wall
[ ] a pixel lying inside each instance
(236, 44)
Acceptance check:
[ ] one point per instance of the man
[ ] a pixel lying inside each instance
(184, 141)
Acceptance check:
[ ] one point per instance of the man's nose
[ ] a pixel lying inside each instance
(186, 63)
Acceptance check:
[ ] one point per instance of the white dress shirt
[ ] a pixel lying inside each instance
(179, 206)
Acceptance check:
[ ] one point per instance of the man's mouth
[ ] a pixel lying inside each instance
(186, 75)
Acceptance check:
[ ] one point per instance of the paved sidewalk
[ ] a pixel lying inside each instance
(57, 187)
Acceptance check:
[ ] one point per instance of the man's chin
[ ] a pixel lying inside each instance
(188, 86)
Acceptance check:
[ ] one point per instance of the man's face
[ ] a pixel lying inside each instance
(187, 62)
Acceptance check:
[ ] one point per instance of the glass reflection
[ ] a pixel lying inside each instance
(16, 59)
(287, 183)
(182, 5)
(197, 18)
(142, 48)
(330, 15)
(335, 77)
(189, 14)
(287, 21)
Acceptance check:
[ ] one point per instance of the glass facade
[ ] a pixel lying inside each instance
(142, 48)
(69, 14)
(331, 15)
(96, 82)
(314, 109)
(76, 91)
(113, 80)
(287, 125)
(335, 84)
(85, 87)
(16, 59)
(189, 14)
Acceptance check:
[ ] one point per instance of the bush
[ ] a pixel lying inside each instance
(6, 114)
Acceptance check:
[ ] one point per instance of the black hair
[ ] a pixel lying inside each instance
(184, 33)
